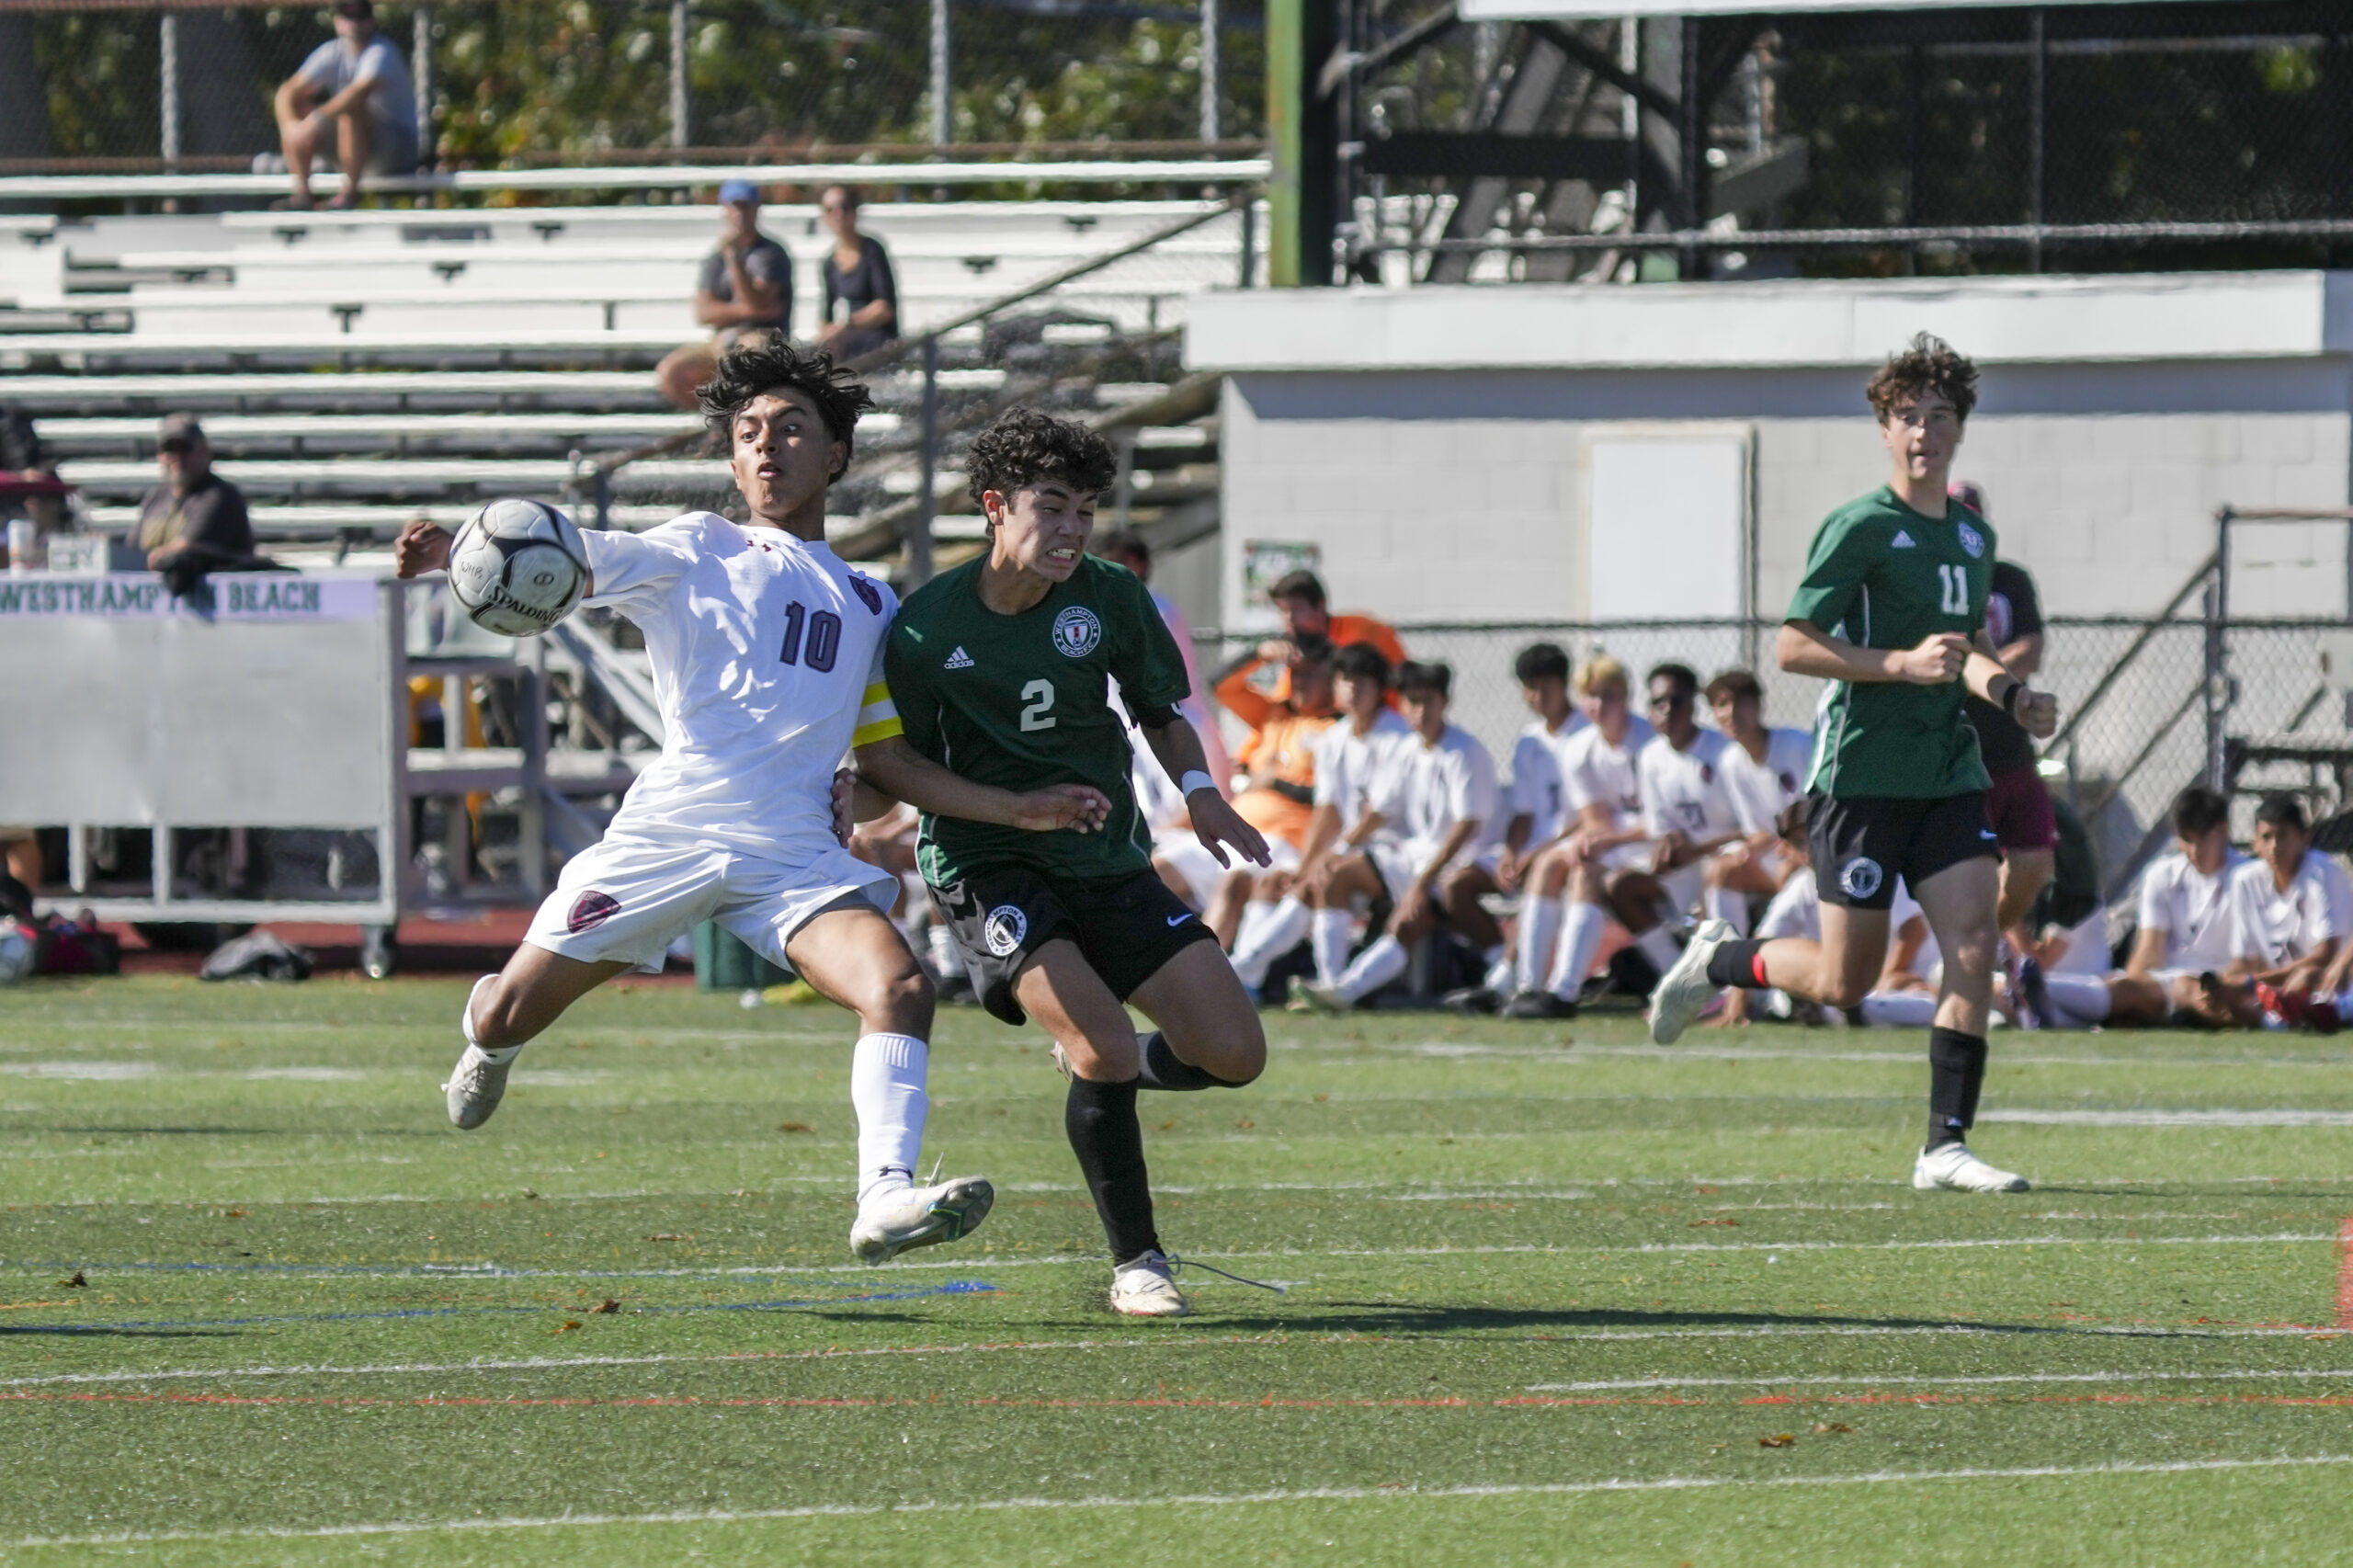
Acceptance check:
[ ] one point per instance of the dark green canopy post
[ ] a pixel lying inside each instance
(1302, 129)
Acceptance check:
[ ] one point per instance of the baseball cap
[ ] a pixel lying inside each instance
(179, 427)
(361, 9)
(734, 190)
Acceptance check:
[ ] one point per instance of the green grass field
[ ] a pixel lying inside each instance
(1550, 1300)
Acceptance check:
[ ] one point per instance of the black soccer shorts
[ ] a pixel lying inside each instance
(1127, 929)
(1861, 844)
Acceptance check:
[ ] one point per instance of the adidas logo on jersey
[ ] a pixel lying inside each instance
(959, 660)
(1901, 541)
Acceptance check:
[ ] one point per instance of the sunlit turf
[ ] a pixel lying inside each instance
(1550, 1296)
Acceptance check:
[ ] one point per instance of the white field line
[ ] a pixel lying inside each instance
(1571, 1055)
(2283, 1117)
(1619, 1386)
(1211, 1500)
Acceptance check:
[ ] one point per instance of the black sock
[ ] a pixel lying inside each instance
(1164, 1069)
(1735, 963)
(1956, 1073)
(1100, 1120)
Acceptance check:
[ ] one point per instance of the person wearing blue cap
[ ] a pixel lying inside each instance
(745, 287)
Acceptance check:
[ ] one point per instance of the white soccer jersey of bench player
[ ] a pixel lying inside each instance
(1594, 772)
(2274, 927)
(1537, 791)
(1685, 792)
(1356, 774)
(1761, 791)
(1443, 785)
(2192, 909)
(767, 653)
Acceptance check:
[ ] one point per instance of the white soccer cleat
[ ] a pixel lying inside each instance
(900, 1219)
(1312, 996)
(476, 1086)
(1145, 1289)
(1685, 991)
(1953, 1167)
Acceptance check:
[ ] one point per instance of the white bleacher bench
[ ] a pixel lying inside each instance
(540, 345)
(247, 430)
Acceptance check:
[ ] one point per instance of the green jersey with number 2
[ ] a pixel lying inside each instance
(1023, 701)
(1881, 576)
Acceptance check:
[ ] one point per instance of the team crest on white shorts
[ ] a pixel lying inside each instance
(1861, 878)
(1077, 632)
(1971, 541)
(1004, 930)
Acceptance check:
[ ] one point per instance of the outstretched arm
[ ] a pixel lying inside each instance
(1215, 822)
(891, 769)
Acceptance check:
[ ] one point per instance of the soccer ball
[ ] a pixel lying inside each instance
(16, 951)
(517, 567)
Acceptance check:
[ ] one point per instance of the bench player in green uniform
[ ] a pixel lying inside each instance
(1891, 610)
(1002, 670)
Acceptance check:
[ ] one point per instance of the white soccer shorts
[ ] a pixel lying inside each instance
(628, 902)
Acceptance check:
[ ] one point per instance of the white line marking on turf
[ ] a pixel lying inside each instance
(2280, 1116)
(1210, 1500)
(2328, 1374)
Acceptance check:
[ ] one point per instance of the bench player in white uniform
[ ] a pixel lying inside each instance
(1765, 770)
(1687, 806)
(1562, 915)
(1360, 768)
(1448, 809)
(2291, 910)
(766, 652)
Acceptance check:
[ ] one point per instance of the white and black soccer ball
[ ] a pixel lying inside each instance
(517, 567)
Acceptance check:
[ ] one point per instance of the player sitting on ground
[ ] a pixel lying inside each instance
(1001, 669)
(2291, 910)
(1281, 804)
(1891, 610)
(1359, 766)
(1601, 836)
(1446, 805)
(1796, 911)
(1765, 770)
(766, 655)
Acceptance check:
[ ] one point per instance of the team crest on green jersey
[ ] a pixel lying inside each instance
(1971, 541)
(1077, 630)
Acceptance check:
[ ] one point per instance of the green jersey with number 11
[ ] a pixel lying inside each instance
(1881, 576)
(1023, 701)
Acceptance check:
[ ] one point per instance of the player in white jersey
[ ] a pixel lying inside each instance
(1360, 768)
(1564, 912)
(1447, 808)
(2185, 930)
(1765, 770)
(766, 652)
(1687, 806)
(2291, 910)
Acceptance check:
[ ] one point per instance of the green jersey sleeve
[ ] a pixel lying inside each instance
(1146, 659)
(1837, 566)
(909, 677)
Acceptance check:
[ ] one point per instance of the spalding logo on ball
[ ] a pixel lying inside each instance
(517, 567)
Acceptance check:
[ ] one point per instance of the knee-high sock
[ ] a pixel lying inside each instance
(2082, 997)
(1956, 1075)
(1899, 1009)
(1276, 932)
(1729, 905)
(1100, 1121)
(1657, 944)
(466, 1024)
(1375, 967)
(1580, 939)
(1539, 934)
(1329, 931)
(1164, 1069)
(887, 1073)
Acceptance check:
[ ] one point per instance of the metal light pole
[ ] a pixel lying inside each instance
(168, 104)
(680, 105)
(420, 69)
(943, 119)
(1209, 71)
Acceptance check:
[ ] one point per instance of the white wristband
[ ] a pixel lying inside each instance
(1196, 780)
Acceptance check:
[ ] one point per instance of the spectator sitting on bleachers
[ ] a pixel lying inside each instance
(358, 85)
(746, 285)
(195, 521)
(861, 295)
(1263, 674)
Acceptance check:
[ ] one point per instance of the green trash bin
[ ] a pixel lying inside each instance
(722, 962)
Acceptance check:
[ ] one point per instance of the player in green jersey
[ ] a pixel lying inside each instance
(1003, 670)
(1891, 610)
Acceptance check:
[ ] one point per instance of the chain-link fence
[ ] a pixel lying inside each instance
(93, 87)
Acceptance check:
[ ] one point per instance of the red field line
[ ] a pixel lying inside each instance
(2345, 1274)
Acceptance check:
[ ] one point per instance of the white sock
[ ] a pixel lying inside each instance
(1329, 931)
(944, 956)
(1539, 933)
(1729, 905)
(1499, 969)
(1375, 967)
(466, 1022)
(1900, 1009)
(1276, 932)
(1580, 940)
(886, 1087)
(1657, 944)
(2082, 997)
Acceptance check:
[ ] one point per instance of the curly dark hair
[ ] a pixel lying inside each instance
(1024, 446)
(767, 363)
(1927, 364)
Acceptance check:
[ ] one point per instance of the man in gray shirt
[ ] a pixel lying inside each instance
(745, 287)
(351, 101)
(195, 514)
